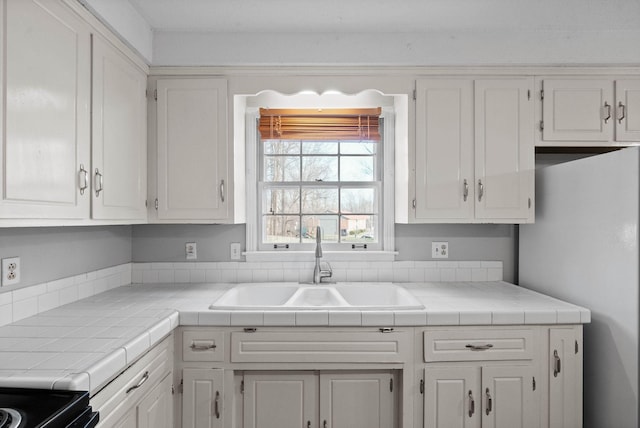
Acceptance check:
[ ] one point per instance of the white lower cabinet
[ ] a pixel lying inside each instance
(154, 411)
(350, 399)
(203, 396)
(565, 378)
(499, 396)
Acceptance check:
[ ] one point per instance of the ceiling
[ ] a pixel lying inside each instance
(388, 16)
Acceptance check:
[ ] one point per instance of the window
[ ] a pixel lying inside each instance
(320, 168)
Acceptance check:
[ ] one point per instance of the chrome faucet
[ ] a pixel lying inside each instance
(318, 272)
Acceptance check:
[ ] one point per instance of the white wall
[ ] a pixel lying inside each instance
(411, 49)
(124, 20)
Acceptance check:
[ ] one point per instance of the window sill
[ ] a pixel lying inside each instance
(330, 256)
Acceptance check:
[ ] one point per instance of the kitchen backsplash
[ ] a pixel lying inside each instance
(399, 271)
(24, 302)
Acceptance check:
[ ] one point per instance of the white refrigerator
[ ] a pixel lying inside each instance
(583, 248)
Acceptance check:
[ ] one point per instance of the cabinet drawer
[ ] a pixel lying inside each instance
(478, 345)
(289, 347)
(198, 345)
(125, 391)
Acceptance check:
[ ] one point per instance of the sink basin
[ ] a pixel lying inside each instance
(341, 296)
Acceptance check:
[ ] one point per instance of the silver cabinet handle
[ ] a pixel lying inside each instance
(479, 347)
(83, 179)
(202, 347)
(98, 183)
(222, 190)
(489, 406)
(472, 404)
(607, 106)
(621, 109)
(216, 405)
(480, 190)
(141, 382)
(465, 190)
(557, 364)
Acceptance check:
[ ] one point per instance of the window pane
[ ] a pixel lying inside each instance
(281, 168)
(319, 148)
(357, 168)
(358, 148)
(358, 201)
(277, 147)
(281, 201)
(358, 228)
(319, 168)
(281, 229)
(319, 200)
(328, 224)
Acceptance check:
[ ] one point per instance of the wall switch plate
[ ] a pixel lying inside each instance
(235, 251)
(440, 250)
(10, 271)
(191, 250)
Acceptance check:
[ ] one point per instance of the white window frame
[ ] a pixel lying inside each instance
(385, 252)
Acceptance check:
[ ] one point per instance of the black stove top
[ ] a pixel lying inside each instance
(44, 408)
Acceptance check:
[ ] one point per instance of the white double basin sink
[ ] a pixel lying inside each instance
(295, 296)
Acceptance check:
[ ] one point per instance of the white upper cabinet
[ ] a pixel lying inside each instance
(589, 112)
(193, 151)
(474, 151)
(45, 156)
(444, 149)
(505, 154)
(119, 143)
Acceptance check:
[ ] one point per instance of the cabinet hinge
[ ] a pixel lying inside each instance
(242, 387)
(155, 94)
(421, 386)
(146, 203)
(534, 383)
(528, 94)
(542, 94)
(146, 93)
(173, 390)
(415, 94)
(413, 203)
(529, 203)
(181, 386)
(156, 204)
(576, 346)
(391, 385)
(541, 125)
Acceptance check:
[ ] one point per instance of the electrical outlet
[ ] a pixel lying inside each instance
(235, 251)
(191, 250)
(11, 271)
(440, 250)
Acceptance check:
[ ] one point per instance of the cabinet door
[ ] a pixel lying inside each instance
(193, 181)
(202, 398)
(155, 410)
(119, 143)
(628, 110)
(357, 400)
(508, 400)
(565, 379)
(280, 400)
(46, 121)
(452, 397)
(505, 153)
(130, 420)
(578, 110)
(444, 150)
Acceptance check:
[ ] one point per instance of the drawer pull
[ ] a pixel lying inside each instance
(216, 405)
(200, 346)
(489, 402)
(556, 363)
(141, 382)
(479, 347)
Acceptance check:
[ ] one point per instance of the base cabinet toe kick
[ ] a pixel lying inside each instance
(401, 377)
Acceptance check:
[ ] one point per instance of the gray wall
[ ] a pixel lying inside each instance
(51, 253)
(165, 243)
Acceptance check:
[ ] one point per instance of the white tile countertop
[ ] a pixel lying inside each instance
(85, 344)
